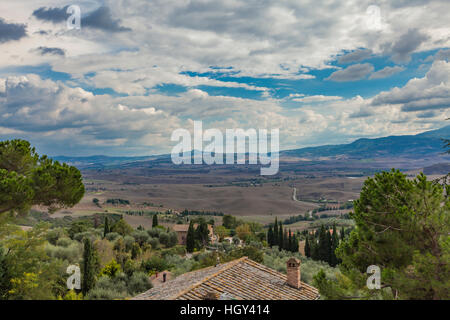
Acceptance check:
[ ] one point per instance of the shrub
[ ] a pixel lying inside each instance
(105, 294)
(71, 295)
(129, 241)
(180, 264)
(140, 237)
(122, 228)
(130, 267)
(154, 242)
(64, 242)
(53, 235)
(154, 232)
(91, 234)
(155, 263)
(176, 250)
(104, 250)
(72, 253)
(139, 282)
(275, 259)
(112, 236)
(164, 238)
(111, 269)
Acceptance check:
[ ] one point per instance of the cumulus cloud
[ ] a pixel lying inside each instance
(11, 31)
(423, 94)
(361, 113)
(402, 47)
(352, 73)
(443, 54)
(54, 15)
(224, 44)
(386, 72)
(101, 18)
(39, 107)
(355, 56)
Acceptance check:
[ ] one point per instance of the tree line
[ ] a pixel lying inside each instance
(284, 239)
(322, 245)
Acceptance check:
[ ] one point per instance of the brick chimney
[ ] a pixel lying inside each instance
(293, 273)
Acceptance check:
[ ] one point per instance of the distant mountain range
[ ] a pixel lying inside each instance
(407, 146)
(427, 145)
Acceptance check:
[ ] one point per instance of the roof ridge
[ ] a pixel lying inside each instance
(229, 265)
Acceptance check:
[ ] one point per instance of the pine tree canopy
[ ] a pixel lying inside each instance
(403, 227)
(27, 179)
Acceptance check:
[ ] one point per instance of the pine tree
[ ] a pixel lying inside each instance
(106, 228)
(270, 236)
(155, 220)
(406, 222)
(190, 238)
(276, 237)
(89, 266)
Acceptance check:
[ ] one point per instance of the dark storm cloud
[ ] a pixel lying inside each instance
(11, 31)
(352, 73)
(355, 56)
(52, 51)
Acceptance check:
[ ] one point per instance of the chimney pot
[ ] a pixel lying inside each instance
(293, 273)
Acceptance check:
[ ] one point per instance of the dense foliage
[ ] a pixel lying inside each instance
(27, 179)
(403, 227)
(286, 239)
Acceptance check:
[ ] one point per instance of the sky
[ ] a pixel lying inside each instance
(322, 72)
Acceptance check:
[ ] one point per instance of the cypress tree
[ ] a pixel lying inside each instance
(202, 233)
(307, 247)
(323, 248)
(190, 238)
(342, 233)
(315, 249)
(334, 244)
(89, 264)
(290, 243)
(155, 221)
(106, 228)
(280, 237)
(285, 240)
(329, 247)
(270, 236)
(276, 237)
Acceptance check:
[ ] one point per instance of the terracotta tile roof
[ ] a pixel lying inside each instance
(241, 279)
